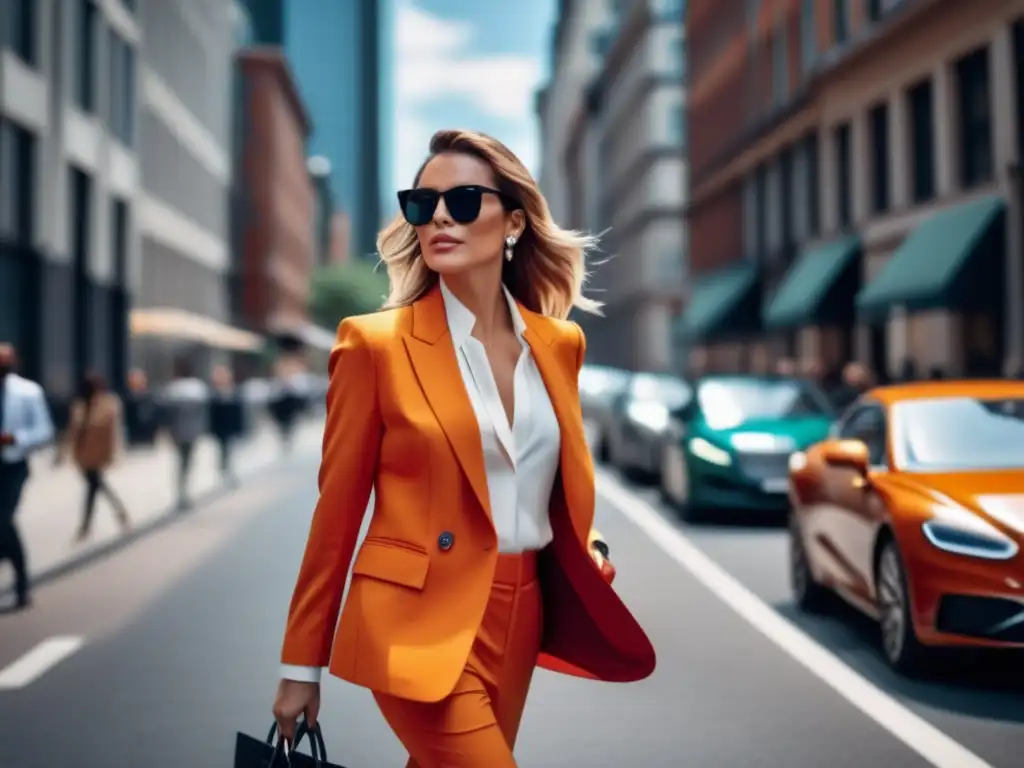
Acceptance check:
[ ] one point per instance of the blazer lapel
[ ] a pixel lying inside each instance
(576, 471)
(437, 369)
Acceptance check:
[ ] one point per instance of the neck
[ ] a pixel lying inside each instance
(481, 293)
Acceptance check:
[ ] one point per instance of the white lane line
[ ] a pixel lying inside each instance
(38, 661)
(918, 734)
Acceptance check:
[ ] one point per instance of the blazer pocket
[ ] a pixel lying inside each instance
(392, 561)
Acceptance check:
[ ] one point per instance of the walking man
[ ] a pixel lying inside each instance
(25, 426)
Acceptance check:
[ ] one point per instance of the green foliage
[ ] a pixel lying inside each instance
(349, 289)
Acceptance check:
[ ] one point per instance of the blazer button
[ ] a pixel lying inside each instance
(445, 541)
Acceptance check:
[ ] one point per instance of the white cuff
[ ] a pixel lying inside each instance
(300, 674)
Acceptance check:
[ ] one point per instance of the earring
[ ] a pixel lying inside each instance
(510, 243)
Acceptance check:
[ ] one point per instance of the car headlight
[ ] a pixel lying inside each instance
(712, 454)
(653, 416)
(956, 530)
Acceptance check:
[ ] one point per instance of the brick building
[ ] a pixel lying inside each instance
(863, 198)
(277, 231)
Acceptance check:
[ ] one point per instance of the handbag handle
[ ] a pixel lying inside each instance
(317, 747)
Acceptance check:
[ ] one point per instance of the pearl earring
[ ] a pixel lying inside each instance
(510, 243)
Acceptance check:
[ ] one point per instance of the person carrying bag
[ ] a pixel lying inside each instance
(275, 752)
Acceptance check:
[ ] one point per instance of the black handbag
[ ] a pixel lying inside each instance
(272, 752)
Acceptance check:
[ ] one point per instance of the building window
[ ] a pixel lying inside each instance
(786, 199)
(122, 89)
(1018, 59)
(780, 67)
(844, 177)
(808, 35)
(18, 28)
(670, 9)
(812, 164)
(85, 55)
(677, 55)
(760, 212)
(17, 183)
(677, 126)
(921, 106)
(878, 120)
(840, 22)
(976, 151)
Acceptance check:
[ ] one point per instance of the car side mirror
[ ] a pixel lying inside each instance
(851, 454)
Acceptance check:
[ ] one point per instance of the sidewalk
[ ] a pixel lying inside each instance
(51, 506)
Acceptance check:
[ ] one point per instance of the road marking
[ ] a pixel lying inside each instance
(38, 661)
(915, 732)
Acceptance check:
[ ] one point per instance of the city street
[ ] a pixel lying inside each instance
(158, 654)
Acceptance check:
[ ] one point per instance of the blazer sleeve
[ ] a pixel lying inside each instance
(348, 469)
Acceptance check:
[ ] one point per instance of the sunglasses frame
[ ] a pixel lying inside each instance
(507, 201)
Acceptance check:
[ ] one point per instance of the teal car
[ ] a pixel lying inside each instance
(729, 447)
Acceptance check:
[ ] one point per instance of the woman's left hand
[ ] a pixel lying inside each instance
(604, 565)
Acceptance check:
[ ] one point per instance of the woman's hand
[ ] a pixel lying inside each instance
(599, 552)
(295, 698)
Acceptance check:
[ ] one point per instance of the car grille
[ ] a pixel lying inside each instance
(764, 466)
(992, 618)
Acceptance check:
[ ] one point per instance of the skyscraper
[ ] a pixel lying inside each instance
(338, 53)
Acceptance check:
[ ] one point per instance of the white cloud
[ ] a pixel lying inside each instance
(434, 64)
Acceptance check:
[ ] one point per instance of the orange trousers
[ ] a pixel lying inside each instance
(477, 724)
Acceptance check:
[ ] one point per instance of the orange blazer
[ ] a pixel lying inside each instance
(400, 424)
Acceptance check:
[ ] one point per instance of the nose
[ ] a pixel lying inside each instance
(441, 215)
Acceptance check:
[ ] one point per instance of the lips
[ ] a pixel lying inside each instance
(444, 240)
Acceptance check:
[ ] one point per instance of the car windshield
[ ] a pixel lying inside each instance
(952, 434)
(727, 403)
(598, 380)
(671, 392)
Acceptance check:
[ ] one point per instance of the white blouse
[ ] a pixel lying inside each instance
(521, 458)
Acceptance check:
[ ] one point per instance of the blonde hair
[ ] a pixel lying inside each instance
(548, 271)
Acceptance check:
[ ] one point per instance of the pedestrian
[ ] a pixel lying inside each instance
(786, 368)
(856, 381)
(92, 437)
(227, 420)
(25, 426)
(287, 400)
(186, 405)
(141, 412)
(459, 405)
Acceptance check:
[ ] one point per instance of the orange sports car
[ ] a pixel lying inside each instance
(913, 512)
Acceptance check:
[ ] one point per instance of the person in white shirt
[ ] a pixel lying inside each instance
(25, 426)
(458, 405)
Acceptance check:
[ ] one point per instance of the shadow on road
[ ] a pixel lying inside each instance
(978, 684)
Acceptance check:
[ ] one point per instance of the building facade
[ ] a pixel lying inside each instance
(615, 164)
(339, 53)
(278, 244)
(185, 133)
(875, 182)
(69, 180)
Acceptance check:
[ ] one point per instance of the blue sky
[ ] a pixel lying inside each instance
(466, 64)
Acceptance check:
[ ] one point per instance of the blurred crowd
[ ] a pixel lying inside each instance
(101, 424)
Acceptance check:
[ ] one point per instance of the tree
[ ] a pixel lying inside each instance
(343, 290)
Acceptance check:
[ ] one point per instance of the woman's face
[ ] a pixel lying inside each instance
(449, 246)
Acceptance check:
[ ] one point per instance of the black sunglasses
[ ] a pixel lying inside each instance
(463, 203)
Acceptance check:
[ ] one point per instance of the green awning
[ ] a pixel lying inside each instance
(812, 292)
(934, 267)
(723, 303)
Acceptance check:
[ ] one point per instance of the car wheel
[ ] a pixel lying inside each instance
(900, 645)
(809, 595)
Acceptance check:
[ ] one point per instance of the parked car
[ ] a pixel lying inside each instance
(729, 448)
(913, 512)
(599, 386)
(639, 418)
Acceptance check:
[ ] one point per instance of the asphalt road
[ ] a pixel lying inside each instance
(172, 647)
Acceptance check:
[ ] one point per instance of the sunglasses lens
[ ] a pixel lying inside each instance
(418, 206)
(463, 203)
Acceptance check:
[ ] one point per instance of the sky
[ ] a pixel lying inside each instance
(466, 64)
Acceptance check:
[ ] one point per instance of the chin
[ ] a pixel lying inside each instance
(448, 263)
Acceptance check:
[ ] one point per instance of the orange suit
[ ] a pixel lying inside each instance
(400, 424)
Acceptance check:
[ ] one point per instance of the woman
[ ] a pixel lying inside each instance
(458, 405)
(92, 436)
